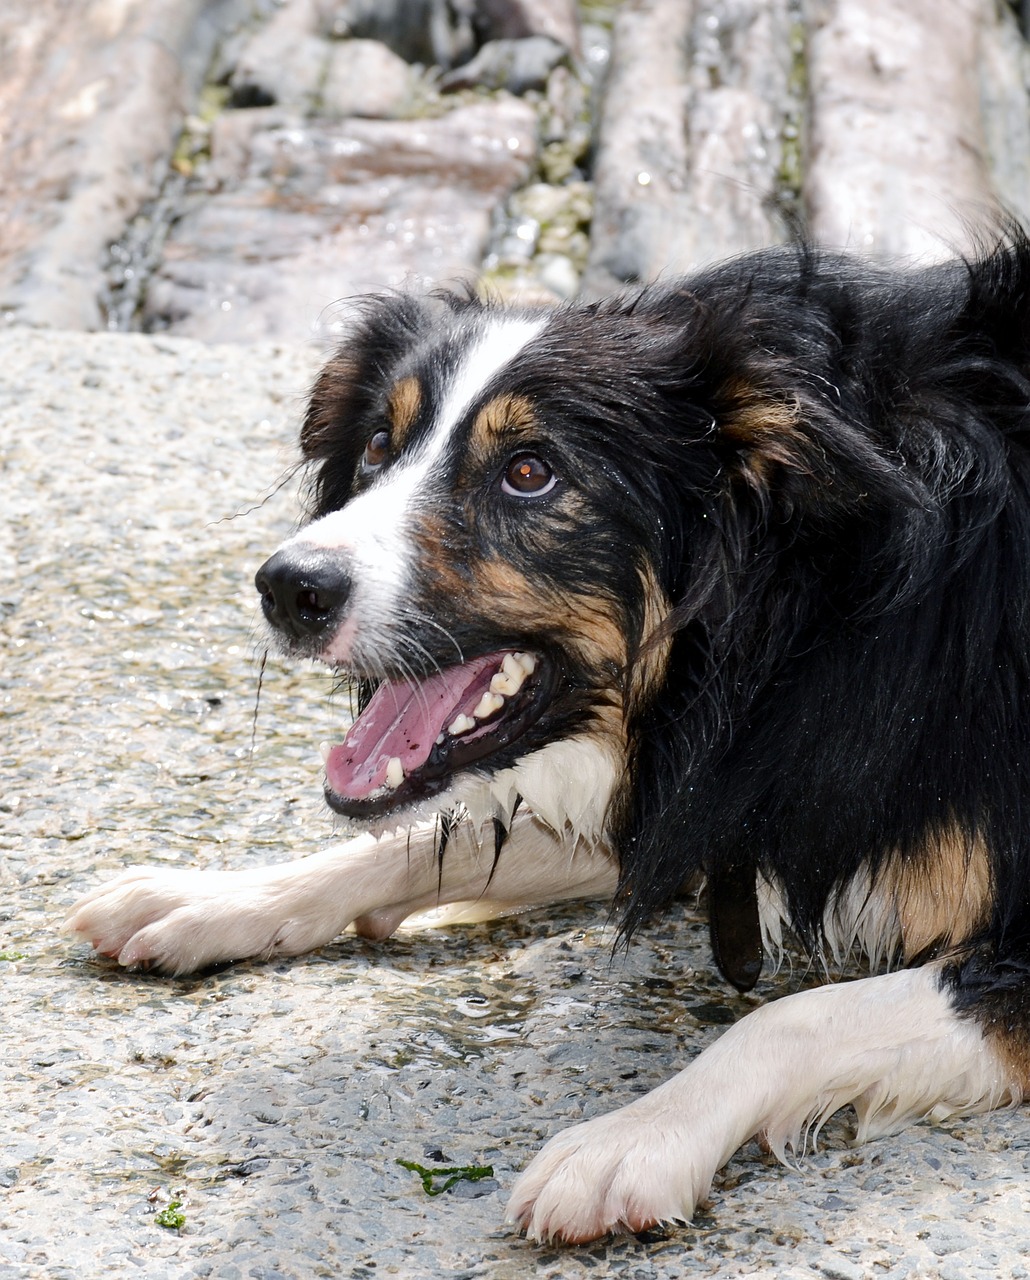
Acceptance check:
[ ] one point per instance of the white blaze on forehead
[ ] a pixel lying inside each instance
(372, 528)
(495, 349)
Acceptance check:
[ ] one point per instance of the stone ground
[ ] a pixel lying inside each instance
(143, 480)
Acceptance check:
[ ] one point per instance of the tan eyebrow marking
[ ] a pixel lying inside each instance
(503, 413)
(403, 405)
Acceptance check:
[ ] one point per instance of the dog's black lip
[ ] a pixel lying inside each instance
(519, 715)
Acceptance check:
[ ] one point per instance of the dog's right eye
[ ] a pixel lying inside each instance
(376, 452)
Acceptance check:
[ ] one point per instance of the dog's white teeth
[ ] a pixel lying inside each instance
(487, 705)
(441, 738)
(525, 660)
(323, 750)
(512, 676)
(394, 772)
(509, 679)
(504, 684)
(513, 668)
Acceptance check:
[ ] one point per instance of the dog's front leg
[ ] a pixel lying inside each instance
(892, 1045)
(181, 920)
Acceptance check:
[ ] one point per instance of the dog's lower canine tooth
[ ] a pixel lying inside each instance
(460, 724)
(487, 705)
(394, 772)
(323, 750)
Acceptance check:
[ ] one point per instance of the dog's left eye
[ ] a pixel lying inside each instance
(528, 476)
(376, 451)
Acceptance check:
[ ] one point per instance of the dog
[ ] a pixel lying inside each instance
(721, 580)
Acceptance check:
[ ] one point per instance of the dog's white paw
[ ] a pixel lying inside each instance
(181, 920)
(622, 1172)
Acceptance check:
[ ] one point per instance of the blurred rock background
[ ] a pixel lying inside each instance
(236, 169)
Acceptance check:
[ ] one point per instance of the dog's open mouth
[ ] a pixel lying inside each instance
(413, 735)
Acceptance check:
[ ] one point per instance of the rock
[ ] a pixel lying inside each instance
(312, 213)
(515, 65)
(365, 78)
(431, 32)
(89, 113)
(284, 62)
(642, 151)
(689, 146)
(516, 19)
(898, 156)
(1004, 78)
(558, 273)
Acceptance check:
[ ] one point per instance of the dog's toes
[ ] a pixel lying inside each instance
(160, 919)
(608, 1176)
(175, 944)
(557, 1198)
(108, 916)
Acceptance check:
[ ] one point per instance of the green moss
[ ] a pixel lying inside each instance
(451, 1175)
(194, 145)
(212, 101)
(599, 11)
(172, 1217)
(790, 173)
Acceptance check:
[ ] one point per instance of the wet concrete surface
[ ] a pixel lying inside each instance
(140, 482)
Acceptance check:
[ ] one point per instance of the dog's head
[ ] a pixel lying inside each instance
(516, 516)
(482, 554)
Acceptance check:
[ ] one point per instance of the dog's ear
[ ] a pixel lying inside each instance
(765, 436)
(332, 399)
(361, 377)
(802, 459)
(359, 390)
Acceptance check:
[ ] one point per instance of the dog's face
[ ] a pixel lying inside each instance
(482, 557)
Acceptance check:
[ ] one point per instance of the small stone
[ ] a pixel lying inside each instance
(839, 1268)
(515, 19)
(430, 32)
(515, 65)
(284, 62)
(365, 78)
(558, 274)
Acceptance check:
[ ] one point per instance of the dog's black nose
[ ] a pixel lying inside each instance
(303, 591)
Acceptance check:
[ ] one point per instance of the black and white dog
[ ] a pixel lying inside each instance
(727, 579)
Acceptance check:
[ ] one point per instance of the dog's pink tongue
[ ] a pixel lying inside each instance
(403, 720)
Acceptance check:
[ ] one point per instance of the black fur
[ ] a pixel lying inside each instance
(850, 669)
(826, 466)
